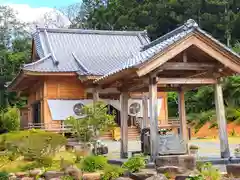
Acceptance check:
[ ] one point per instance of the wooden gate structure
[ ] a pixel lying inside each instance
(182, 60)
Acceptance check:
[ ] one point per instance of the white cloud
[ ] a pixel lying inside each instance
(28, 14)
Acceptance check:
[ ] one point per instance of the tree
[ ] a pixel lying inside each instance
(15, 50)
(94, 122)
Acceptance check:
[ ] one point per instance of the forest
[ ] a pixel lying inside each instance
(221, 18)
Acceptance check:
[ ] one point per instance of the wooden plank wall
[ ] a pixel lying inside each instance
(58, 87)
(68, 88)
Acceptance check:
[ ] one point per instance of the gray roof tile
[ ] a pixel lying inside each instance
(160, 44)
(84, 51)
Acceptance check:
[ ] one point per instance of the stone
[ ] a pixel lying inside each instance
(74, 172)
(11, 174)
(187, 162)
(157, 177)
(124, 178)
(13, 177)
(35, 172)
(170, 170)
(171, 144)
(20, 174)
(53, 174)
(91, 176)
(181, 177)
(27, 178)
(233, 170)
(55, 179)
(143, 174)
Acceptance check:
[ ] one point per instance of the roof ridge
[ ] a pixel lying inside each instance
(38, 61)
(80, 63)
(55, 61)
(91, 31)
(190, 23)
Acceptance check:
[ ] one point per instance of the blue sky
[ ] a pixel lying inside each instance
(42, 3)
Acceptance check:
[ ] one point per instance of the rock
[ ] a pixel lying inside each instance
(13, 177)
(74, 172)
(35, 172)
(124, 178)
(11, 174)
(55, 179)
(53, 174)
(170, 170)
(143, 174)
(91, 176)
(187, 162)
(27, 178)
(20, 174)
(233, 170)
(181, 177)
(157, 177)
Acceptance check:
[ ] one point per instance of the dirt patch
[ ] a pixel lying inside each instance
(205, 132)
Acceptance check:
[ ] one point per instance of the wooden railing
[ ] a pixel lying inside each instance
(49, 127)
(61, 127)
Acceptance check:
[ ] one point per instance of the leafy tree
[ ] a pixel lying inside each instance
(94, 122)
(15, 50)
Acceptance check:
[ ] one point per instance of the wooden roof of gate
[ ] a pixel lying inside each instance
(186, 56)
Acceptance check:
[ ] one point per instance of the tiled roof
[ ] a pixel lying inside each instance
(160, 44)
(90, 52)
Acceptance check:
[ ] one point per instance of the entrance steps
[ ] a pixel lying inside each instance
(133, 134)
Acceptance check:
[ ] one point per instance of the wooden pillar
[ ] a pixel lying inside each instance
(145, 111)
(182, 116)
(124, 124)
(222, 124)
(95, 95)
(153, 117)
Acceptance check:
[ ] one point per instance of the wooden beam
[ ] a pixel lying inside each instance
(104, 91)
(222, 124)
(187, 66)
(182, 116)
(159, 89)
(145, 120)
(187, 81)
(185, 58)
(169, 53)
(124, 124)
(153, 117)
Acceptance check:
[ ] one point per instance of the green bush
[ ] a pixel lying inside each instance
(45, 161)
(10, 119)
(112, 172)
(198, 177)
(4, 176)
(30, 166)
(134, 164)
(93, 163)
(209, 171)
(33, 144)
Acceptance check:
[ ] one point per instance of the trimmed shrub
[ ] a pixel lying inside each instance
(93, 163)
(134, 164)
(112, 172)
(33, 144)
(10, 120)
(4, 176)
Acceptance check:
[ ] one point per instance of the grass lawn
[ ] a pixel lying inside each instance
(18, 165)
